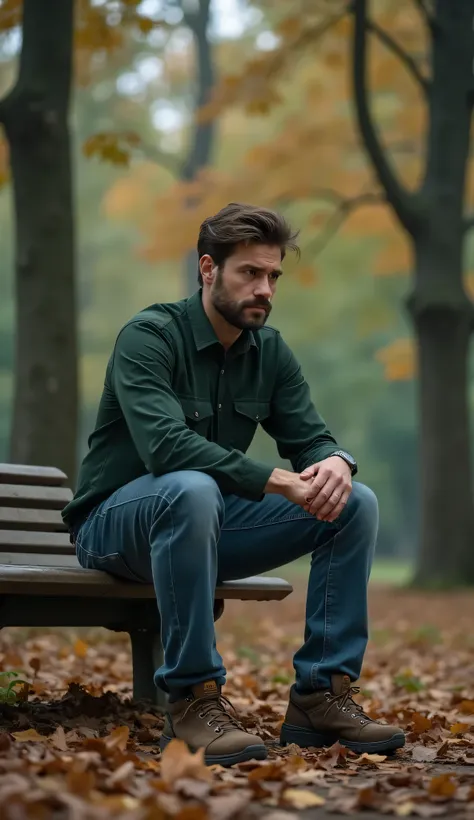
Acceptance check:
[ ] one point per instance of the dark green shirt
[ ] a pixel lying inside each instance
(174, 399)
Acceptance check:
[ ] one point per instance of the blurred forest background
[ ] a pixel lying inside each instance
(277, 130)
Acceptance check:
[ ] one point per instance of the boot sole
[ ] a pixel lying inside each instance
(257, 752)
(305, 737)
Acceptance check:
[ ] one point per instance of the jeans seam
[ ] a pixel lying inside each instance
(131, 501)
(315, 666)
(272, 522)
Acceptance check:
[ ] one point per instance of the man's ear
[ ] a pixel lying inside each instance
(208, 269)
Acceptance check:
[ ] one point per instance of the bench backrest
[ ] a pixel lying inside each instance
(31, 527)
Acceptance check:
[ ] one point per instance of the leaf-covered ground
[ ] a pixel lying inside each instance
(77, 747)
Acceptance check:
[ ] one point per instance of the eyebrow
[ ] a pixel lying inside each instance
(259, 268)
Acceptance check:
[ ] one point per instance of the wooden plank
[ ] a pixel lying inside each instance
(84, 583)
(40, 498)
(29, 559)
(28, 474)
(44, 543)
(45, 520)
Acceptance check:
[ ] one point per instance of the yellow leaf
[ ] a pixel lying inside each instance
(80, 648)
(29, 736)
(302, 798)
(457, 728)
(370, 758)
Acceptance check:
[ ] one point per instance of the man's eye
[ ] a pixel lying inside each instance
(275, 276)
(251, 271)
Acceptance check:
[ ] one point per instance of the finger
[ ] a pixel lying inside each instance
(319, 485)
(333, 501)
(324, 494)
(339, 508)
(310, 472)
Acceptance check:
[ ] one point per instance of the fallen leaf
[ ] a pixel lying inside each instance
(29, 736)
(58, 739)
(370, 758)
(442, 785)
(302, 798)
(118, 738)
(458, 728)
(424, 754)
(123, 772)
(80, 648)
(420, 723)
(178, 762)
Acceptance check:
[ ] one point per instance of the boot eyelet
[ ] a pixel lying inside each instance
(363, 722)
(327, 696)
(217, 730)
(201, 715)
(343, 708)
(209, 722)
(353, 715)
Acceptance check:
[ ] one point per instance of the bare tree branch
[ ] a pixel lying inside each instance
(344, 207)
(401, 200)
(407, 60)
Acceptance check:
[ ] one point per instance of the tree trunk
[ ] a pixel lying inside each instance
(202, 143)
(446, 553)
(35, 118)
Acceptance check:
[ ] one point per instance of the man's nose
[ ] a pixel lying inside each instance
(263, 288)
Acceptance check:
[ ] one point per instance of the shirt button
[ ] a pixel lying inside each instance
(220, 406)
(257, 417)
(222, 372)
(196, 414)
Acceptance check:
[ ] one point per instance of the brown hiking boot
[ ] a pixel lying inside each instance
(202, 720)
(323, 717)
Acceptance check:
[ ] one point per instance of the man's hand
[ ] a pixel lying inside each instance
(329, 487)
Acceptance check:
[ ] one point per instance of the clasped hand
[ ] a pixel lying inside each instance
(328, 487)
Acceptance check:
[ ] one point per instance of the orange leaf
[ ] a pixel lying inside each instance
(80, 648)
(118, 739)
(442, 786)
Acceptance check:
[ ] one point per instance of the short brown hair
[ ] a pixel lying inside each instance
(236, 223)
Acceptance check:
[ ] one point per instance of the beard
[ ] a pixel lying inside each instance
(236, 313)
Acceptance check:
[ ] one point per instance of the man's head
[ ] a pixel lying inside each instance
(241, 249)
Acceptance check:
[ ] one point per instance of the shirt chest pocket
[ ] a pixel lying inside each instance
(199, 414)
(247, 416)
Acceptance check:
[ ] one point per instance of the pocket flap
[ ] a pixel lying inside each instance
(255, 410)
(196, 409)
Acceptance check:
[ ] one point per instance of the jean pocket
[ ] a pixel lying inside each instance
(113, 563)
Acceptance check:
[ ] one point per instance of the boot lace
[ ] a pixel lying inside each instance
(345, 703)
(215, 710)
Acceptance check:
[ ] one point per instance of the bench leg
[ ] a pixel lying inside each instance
(147, 655)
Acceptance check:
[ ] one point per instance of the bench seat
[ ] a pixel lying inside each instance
(42, 583)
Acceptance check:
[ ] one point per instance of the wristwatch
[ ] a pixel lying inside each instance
(348, 459)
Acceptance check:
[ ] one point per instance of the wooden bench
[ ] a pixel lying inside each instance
(42, 583)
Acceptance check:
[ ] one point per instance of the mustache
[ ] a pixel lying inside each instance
(263, 303)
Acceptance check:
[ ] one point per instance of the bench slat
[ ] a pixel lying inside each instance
(27, 474)
(34, 580)
(45, 543)
(38, 497)
(18, 519)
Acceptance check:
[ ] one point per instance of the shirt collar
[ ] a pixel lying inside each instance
(203, 332)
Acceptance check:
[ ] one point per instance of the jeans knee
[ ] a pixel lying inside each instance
(197, 492)
(363, 507)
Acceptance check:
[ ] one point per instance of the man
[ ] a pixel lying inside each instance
(167, 495)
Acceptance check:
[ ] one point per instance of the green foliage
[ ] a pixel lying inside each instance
(8, 681)
(409, 682)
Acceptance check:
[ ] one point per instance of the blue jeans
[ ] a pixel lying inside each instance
(180, 533)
